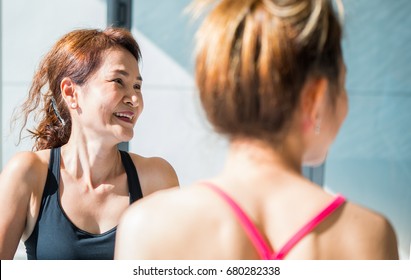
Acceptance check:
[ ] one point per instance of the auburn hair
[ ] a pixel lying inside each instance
(77, 55)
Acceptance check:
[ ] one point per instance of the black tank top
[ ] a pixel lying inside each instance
(56, 237)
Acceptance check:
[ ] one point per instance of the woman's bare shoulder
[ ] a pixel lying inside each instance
(367, 234)
(184, 203)
(27, 164)
(24, 175)
(21, 186)
(163, 223)
(155, 173)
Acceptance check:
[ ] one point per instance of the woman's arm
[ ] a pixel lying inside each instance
(17, 189)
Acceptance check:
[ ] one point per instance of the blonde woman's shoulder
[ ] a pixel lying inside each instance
(155, 227)
(170, 224)
(365, 234)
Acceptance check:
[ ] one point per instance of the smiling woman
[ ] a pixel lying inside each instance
(65, 199)
(112, 96)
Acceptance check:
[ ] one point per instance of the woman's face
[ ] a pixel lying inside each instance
(330, 121)
(110, 102)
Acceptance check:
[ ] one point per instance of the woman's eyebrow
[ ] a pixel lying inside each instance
(125, 73)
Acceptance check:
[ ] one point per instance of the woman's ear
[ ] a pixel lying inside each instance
(69, 92)
(312, 103)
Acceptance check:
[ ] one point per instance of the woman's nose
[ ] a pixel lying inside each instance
(132, 100)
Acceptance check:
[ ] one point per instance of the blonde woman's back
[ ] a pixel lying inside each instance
(204, 224)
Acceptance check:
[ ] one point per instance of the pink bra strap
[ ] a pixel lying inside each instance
(256, 238)
(307, 228)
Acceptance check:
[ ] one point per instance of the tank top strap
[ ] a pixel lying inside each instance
(132, 177)
(53, 176)
(310, 226)
(263, 249)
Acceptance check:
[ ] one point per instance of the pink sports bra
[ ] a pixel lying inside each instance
(263, 249)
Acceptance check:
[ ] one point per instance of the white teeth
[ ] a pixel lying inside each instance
(123, 115)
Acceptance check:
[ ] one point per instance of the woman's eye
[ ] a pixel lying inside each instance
(118, 81)
(137, 87)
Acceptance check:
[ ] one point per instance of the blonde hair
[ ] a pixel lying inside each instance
(254, 56)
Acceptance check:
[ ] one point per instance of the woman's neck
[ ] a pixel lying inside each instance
(93, 162)
(253, 158)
